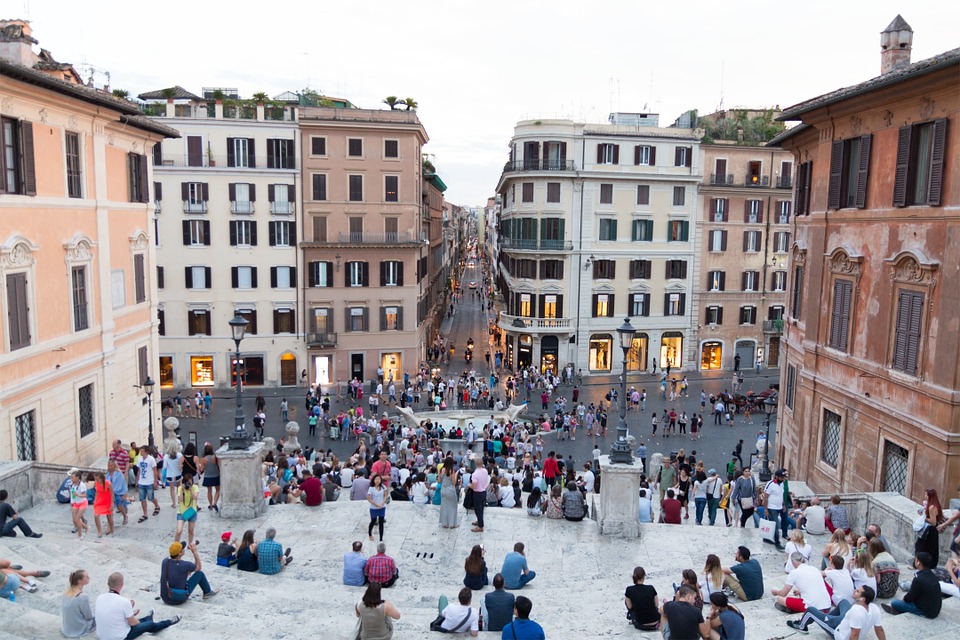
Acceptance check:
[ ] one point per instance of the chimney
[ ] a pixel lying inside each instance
(895, 44)
(16, 42)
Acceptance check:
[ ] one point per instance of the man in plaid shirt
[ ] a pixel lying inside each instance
(272, 558)
(381, 568)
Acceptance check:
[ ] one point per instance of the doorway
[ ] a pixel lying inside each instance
(549, 348)
(288, 370)
(745, 349)
(524, 351)
(671, 350)
(711, 356)
(773, 353)
(356, 366)
(392, 364)
(321, 368)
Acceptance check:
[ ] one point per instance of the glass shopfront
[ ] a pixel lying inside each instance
(599, 358)
(671, 350)
(201, 371)
(711, 356)
(637, 355)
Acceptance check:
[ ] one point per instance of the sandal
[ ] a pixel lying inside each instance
(156, 511)
(142, 520)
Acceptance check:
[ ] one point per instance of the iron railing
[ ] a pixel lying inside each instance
(537, 164)
(756, 181)
(194, 207)
(536, 324)
(205, 160)
(241, 206)
(721, 179)
(784, 182)
(283, 207)
(534, 244)
(365, 237)
(773, 326)
(322, 339)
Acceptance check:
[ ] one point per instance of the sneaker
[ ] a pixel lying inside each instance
(149, 615)
(287, 551)
(210, 594)
(36, 535)
(43, 574)
(795, 624)
(886, 607)
(30, 588)
(289, 560)
(174, 620)
(16, 567)
(727, 591)
(781, 607)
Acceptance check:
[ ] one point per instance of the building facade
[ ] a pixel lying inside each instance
(76, 261)
(367, 242)
(227, 196)
(743, 241)
(596, 224)
(869, 387)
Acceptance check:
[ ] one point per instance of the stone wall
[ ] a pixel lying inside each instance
(30, 483)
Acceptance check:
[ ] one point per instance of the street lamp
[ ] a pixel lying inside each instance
(620, 450)
(148, 385)
(770, 408)
(239, 439)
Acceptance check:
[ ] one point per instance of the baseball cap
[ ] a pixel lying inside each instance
(226, 536)
(779, 473)
(176, 549)
(712, 472)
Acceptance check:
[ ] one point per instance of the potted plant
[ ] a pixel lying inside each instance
(392, 102)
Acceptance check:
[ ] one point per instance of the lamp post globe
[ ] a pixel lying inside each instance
(620, 450)
(239, 439)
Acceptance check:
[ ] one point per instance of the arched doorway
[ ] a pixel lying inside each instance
(288, 370)
(711, 356)
(549, 349)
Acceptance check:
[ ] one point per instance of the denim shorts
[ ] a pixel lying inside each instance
(119, 500)
(181, 518)
(146, 491)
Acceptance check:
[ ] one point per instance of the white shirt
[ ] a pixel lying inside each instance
(860, 578)
(454, 614)
(112, 613)
(404, 474)
(173, 465)
(841, 583)
(146, 468)
(774, 493)
(589, 481)
(808, 581)
(419, 493)
(816, 516)
(856, 618)
(806, 551)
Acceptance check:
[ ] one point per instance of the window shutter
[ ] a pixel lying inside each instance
(563, 153)
(610, 303)
(158, 191)
(723, 240)
(365, 270)
(234, 276)
(399, 318)
(291, 193)
(653, 155)
(743, 281)
(383, 318)
(366, 319)
(253, 192)
(646, 304)
(559, 306)
(913, 338)
(29, 166)
(630, 300)
(725, 208)
(684, 231)
(723, 281)
(683, 304)
(272, 233)
(719, 315)
(746, 211)
(616, 154)
(271, 157)
(253, 234)
(676, 157)
(903, 165)
(232, 190)
(746, 236)
(312, 269)
(347, 326)
(593, 305)
(186, 231)
(759, 210)
(863, 170)
(188, 277)
(836, 175)
(207, 274)
(159, 277)
(599, 153)
(399, 274)
(328, 281)
(936, 161)
(233, 233)
(206, 232)
(273, 277)
(251, 149)
(689, 162)
(142, 159)
(205, 191)
(666, 269)
(383, 276)
(798, 191)
(666, 304)
(847, 291)
(270, 193)
(231, 158)
(253, 277)
(636, 154)
(683, 269)
(649, 226)
(713, 207)
(184, 191)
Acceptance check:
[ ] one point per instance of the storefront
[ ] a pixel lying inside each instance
(746, 349)
(524, 350)
(549, 348)
(509, 354)
(711, 356)
(671, 350)
(637, 355)
(166, 371)
(251, 370)
(201, 371)
(322, 370)
(599, 354)
(392, 365)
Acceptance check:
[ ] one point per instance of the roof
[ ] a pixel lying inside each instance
(129, 112)
(179, 93)
(435, 180)
(915, 70)
(789, 133)
(898, 24)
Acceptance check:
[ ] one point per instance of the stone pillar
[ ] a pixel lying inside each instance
(656, 461)
(619, 499)
(240, 482)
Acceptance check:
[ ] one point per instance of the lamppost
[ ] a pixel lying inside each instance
(239, 439)
(620, 451)
(148, 385)
(769, 408)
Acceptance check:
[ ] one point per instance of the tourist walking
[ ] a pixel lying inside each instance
(78, 503)
(210, 468)
(148, 480)
(103, 503)
(187, 496)
(449, 501)
(377, 497)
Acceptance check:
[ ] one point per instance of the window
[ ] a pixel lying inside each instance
(753, 211)
(356, 274)
(391, 318)
(603, 305)
(551, 269)
(643, 194)
(750, 281)
(391, 148)
(322, 320)
(391, 188)
(197, 277)
(280, 154)
(319, 228)
(282, 198)
(240, 153)
(318, 146)
(720, 172)
(641, 231)
(783, 212)
(524, 307)
(896, 461)
(608, 229)
(284, 321)
(775, 312)
(840, 314)
(390, 228)
(608, 153)
(250, 315)
(553, 192)
(26, 435)
(391, 273)
(356, 188)
(85, 410)
(830, 444)
(136, 177)
(606, 194)
(196, 233)
(678, 231)
(74, 180)
(682, 156)
(355, 224)
(906, 342)
(551, 233)
(526, 269)
(18, 311)
(161, 323)
(282, 233)
(781, 242)
(639, 304)
(778, 281)
(849, 167)
(752, 241)
(319, 186)
(551, 306)
(355, 147)
(676, 269)
(195, 196)
(78, 279)
(604, 269)
(243, 233)
(716, 280)
(797, 301)
(283, 277)
(139, 279)
(159, 277)
(198, 322)
(242, 197)
(802, 193)
(920, 156)
(674, 304)
(713, 315)
(679, 196)
(243, 277)
(719, 209)
(788, 395)
(748, 315)
(644, 155)
(357, 318)
(16, 158)
(526, 192)
(718, 240)
(157, 198)
(640, 269)
(320, 274)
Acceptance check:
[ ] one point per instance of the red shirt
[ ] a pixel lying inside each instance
(122, 458)
(380, 568)
(550, 468)
(671, 510)
(312, 492)
(381, 467)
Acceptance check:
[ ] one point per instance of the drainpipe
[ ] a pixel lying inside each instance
(576, 177)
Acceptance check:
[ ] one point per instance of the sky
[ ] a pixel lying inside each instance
(477, 68)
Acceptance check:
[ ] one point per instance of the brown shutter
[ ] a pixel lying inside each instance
(271, 158)
(365, 272)
(184, 191)
(689, 162)
(610, 302)
(185, 224)
(616, 154)
(383, 274)
(719, 315)
(746, 234)
(683, 304)
(206, 232)
(252, 153)
(759, 210)
(205, 191)
(798, 194)
(563, 154)
(836, 175)
(291, 193)
(666, 304)
(723, 240)
(312, 274)
(683, 269)
(936, 161)
(746, 211)
(653, 155)
(270, 193)
(253, 192)
(231, 158)
(807, 182)
(142, 178)
(600, 153)
(713, 208)
(636, 154)
(743, 281)
(676, 156)
(903, 164)
(725, 204)
(232, 190)
(158, 191)
(559, 305)
(29, 168)
(723, 281)
(399, 274)
(862, 171)
(593, 305)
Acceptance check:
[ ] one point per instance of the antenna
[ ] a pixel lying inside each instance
(722, 63)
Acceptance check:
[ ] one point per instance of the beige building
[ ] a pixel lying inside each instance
(227, 198)
(77, 261)
(370, 239)
(743, 235)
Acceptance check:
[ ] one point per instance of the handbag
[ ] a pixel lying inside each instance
(437, 624)
(746, 503)
(468, 498)
(189, 513)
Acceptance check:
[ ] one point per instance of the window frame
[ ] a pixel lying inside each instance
(73, 164)
(79, 298)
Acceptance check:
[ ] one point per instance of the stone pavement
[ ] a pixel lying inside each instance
(578, 592)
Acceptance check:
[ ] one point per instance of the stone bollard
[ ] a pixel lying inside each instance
(241, 482)
(619, 499)
(290, 444)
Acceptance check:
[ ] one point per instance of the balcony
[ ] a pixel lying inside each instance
(282, 208)
(536, 164)
(194, 207)
(721, 180)
(784, 182)
(537, 325)
(773, 326)
(241, 206)
(756, 181)
(321, 340)
(206, 160)
(358, 237)
(533, 244)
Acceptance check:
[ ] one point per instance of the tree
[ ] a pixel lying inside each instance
(169, 92)
(120, 93)
(391, 101)
(411, 104)
(261, 96)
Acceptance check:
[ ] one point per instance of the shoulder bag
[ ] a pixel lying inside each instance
(437, 624)
(747, 502)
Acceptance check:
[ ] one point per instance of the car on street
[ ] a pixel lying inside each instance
(472, 285)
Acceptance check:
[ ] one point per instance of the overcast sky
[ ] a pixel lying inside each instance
(476, 68)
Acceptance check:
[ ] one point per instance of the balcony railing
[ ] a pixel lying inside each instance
(194, 207)
(536, 324)
(322, 339)
(721, 180)
(286, 163)
(773, 326)
(537, 164)
(756, 181)
(241, 206)
(282, 208)
(209, 111)
(536, 245)
(381, 238)
(784, 182)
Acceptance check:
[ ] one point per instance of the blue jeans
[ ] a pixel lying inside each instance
(700, 504)
(712, 504)
(147, 625)
(196, 579)
(524, 579)
(10, 586)
(13, 523)
(907, 607)
(775, 514)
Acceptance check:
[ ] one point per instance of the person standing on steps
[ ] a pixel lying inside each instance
(377, 497)
(479, 481)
